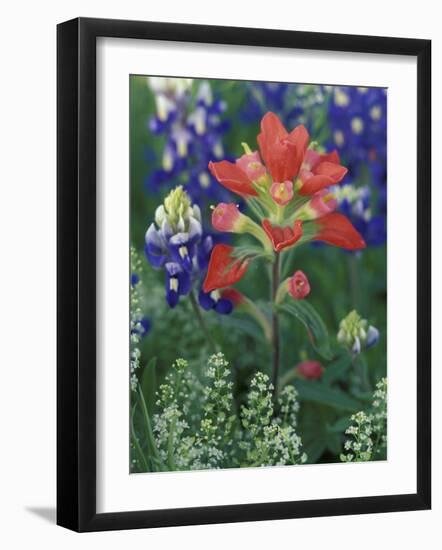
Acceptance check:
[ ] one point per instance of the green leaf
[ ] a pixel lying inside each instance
(314, 450)
(313, 429)
(310, 390)
(148, 384)
(334, 444)
(340, 425)
(337, 370)
(316, 329)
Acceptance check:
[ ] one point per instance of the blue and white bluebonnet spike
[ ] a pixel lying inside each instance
(193, 133)
(175, 242)
(356, 334)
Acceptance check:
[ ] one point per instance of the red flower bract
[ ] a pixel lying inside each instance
(319, 171)
(233, 295)
(282, 152)
(282, 237)
(336, 229)
(310, 369)
(233, 178)
(224, 269)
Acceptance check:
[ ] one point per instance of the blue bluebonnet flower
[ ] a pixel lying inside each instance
(358, 127)
(140, 325)
(358, 124)
(215, 300)
(356, 334)
(357, 203)
(293, 103)
(176, 243)
(193, 130)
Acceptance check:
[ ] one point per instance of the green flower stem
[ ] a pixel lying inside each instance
(256, 231)
(150, 437)
(353, 275)
(201, 322)
(282, 291)
(361, 372)
(170, 455)
(275, 323)
(136, 443)
(259, 317)
(170, 460)
(287, 378)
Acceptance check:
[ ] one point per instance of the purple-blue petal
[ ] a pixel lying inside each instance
(205, 300)
(223, 306)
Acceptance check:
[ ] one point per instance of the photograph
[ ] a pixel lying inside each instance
(258, 274)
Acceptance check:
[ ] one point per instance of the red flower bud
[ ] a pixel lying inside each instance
(282, 193)
(309, 369)
(226, 217)
(251, 164)
(298, 286)
(323, 202)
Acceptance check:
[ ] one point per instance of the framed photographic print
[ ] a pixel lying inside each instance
(243, 274)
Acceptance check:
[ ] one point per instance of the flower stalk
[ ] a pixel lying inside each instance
(202, 322)
(275, 323)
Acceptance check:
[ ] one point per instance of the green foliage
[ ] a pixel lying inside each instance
(319, 392)
(148, 384)
(318, 437)
(337, 370)
(316, 329)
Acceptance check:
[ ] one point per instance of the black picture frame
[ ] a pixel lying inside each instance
(76, 274)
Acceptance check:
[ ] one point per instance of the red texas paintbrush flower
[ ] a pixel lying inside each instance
(233, 176)
(336, 229)
(224, 270)
(319, 171)
(282, 237)
(282, 152)
(288, 191)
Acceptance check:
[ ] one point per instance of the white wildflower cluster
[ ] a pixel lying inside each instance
(379, 414)
(288, 406)
(270, 440)
(259, 409)
(215, 436)
(135, 355)
(136, 317)
(172, 426)
(360, 447)
(280, 446)
(368, 431)
(196, 427)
